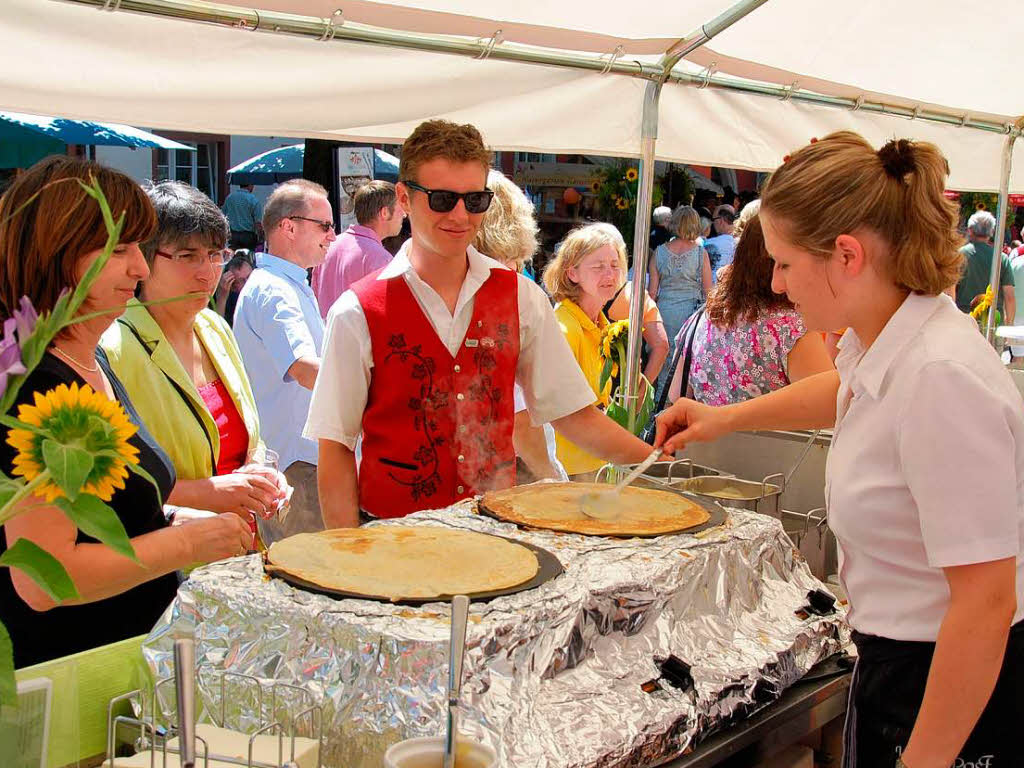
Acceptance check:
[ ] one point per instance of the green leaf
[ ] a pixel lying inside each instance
(98, 520)
(8, 488)
(606, 373)
(44, 569)
(69, 466)
(8, 685)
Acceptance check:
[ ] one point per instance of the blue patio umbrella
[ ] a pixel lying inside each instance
(26, 138)
(285, 163)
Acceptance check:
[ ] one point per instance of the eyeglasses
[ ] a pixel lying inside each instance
(197, 259)
(444, 200)
(326, 226)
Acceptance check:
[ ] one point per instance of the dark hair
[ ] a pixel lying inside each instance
(48, 223)
(744, 289)
(183, 212)
(370, 198)
(240, 257)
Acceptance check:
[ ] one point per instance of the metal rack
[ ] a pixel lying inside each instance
(155, 731)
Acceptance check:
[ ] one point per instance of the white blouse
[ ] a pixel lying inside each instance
(926, 467)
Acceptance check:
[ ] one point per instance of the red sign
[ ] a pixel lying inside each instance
(1016, 200)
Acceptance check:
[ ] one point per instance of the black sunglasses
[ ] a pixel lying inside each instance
(326, 226)
(444, 200)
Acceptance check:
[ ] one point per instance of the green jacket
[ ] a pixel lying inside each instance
(185, 430)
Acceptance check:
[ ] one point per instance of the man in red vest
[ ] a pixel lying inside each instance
(421, 357)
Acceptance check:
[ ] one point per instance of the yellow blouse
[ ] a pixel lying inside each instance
(584, 337)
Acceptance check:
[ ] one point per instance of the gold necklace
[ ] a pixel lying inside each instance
(79, 363)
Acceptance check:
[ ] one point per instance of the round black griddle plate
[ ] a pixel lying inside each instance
(713, 508)
(550, 567)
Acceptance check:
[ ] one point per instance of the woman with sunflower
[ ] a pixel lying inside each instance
(584, 275)
(51, 231)
(508, 233)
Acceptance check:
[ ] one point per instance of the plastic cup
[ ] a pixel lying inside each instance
(428, 752)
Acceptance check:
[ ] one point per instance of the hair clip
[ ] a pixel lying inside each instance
(814, 140)
(786, 159)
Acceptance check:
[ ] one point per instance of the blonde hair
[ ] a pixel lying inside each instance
(576, 246)
(508, 231)
(686, 223)
(840, 184)
(750, 210)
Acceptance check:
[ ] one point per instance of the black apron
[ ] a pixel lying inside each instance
(887, 690)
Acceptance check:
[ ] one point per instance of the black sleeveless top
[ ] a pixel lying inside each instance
(41, 636)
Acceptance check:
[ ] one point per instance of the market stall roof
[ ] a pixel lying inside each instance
(310, 78)
(904, 50)
(283, 163)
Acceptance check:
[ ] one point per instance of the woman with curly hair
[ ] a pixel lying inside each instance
(508, 233)
(749, 340)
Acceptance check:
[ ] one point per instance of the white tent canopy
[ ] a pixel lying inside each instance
(78, 61)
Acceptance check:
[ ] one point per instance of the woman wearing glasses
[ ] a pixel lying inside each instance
(181, 365)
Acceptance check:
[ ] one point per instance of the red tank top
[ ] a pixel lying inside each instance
(234, 437)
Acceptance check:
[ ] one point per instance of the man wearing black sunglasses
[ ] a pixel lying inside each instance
(420, 358)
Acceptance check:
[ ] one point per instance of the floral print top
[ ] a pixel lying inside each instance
(734, 364)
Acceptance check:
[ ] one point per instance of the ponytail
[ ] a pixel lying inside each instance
(897, 192)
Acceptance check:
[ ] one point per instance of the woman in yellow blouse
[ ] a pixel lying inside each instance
(583, 277)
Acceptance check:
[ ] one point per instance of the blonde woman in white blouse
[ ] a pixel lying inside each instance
(925, 475)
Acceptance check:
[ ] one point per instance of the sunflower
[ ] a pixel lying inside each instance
(621, 203)
(631, 174)
(595, 187)
(82, 418)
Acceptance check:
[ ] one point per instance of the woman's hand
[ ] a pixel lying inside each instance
(245, 492)
(216, 538)
(688, 421)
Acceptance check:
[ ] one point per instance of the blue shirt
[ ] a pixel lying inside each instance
(277, 321)
(243, 211)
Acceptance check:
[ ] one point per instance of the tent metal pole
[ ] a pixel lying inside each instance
(645, 190)
(1000, 233)
(641, 250)
(321, 29)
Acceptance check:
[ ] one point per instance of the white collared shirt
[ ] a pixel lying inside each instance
(926, 468)
(552, 382)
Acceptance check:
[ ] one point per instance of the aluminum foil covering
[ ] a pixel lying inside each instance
(553, 676)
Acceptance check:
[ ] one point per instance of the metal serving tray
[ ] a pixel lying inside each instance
(760, 496)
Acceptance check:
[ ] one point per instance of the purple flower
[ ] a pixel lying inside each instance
(25, 318)
(10, 354)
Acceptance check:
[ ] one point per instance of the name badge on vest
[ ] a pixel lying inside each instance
(472, 343)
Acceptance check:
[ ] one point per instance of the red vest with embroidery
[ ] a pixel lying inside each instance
(437, 429)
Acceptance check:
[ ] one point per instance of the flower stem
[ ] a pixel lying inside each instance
(171, 300)
(9, 510)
